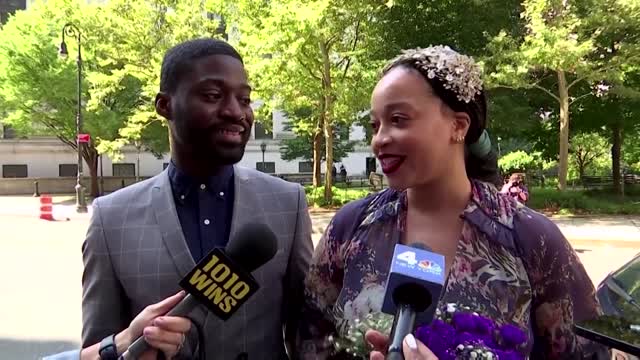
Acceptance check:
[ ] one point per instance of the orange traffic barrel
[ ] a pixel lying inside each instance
(46, 207)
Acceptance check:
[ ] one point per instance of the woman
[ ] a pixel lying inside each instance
(516, 188)
(509, 263)
(165, 334)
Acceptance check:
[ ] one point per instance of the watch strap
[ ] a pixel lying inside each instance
(108, 349)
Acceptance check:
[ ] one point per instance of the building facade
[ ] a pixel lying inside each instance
(47, 157)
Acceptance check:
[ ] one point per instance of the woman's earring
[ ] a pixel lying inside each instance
(460, 139)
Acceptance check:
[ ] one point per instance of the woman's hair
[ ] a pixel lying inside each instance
(456, 81)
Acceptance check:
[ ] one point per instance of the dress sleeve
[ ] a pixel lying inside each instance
(563, 293)
(323, 284)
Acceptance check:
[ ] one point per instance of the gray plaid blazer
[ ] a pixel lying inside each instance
(135, 255)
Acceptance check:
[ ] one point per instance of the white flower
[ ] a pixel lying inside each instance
(368, 300)
(458, 72)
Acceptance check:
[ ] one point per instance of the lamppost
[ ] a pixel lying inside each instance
(263, 148)
(73, 31)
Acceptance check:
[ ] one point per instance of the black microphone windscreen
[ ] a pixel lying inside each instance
(418, 245)
(254, 245)
(415, 295)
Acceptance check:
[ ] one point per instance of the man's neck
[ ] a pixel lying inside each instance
(196, 169)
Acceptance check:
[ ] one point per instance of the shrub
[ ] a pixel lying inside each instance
(341, 196)
(584, 202)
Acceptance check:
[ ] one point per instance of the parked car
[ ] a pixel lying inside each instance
(619, 296)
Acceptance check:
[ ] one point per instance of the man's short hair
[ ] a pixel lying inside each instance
(178, 60)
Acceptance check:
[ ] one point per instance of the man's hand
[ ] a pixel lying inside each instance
(164, 333)
(412, 349)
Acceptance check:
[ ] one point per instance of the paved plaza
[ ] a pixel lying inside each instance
(41, 268)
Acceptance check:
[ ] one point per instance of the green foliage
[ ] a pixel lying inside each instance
(38, 88)
(135, 35)
(521, 161)
(308, 55)
(584, 202)
(590, 155)
(301, 147)
(567, 45)
(341, 196)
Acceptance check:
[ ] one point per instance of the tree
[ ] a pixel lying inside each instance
(138, 34)
(586, 149)
(563, 43)
(39, 89)
(308, 54)
(301, 147)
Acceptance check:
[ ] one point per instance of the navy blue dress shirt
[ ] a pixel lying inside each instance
(204, 207)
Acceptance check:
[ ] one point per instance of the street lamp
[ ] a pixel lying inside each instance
(73, 31)
(263, 147)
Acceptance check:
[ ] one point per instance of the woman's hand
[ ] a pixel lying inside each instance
(163, 333)
(412, 349)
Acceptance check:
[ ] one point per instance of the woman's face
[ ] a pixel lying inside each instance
(414, 132)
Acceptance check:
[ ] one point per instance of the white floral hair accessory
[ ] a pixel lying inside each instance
(458, 73)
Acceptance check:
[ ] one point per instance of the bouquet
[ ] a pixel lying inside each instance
(455, 334)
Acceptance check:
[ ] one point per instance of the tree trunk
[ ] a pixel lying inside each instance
(317, 148)
(563, 156)
(616, 153)
(90, 156)
(328, 126)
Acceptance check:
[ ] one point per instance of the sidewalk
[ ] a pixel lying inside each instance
(582, 231)
(618, 231)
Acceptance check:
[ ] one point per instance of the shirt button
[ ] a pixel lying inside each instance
(181, 197)
(221, 193)
(203, 186)
(207, 222)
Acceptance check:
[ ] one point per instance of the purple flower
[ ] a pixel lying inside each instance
(439, 336)
(489, 341)
(465, 338)
(512, 335)
(484, 326)
(464, 322)
(508, 355)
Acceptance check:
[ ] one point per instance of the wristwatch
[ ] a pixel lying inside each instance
(108, 350)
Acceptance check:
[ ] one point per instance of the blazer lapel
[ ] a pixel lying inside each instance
(165, 211)
(246, 205)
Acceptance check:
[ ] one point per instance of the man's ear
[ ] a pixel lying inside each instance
(163, 105)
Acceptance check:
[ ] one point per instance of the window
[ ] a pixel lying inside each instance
(68, 170)
(124, 170)
(7, 132)
(14, 171)
(305, 166)
(261, 132)
(370, 165)
(268, 167)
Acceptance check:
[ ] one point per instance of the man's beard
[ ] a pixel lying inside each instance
(202, 148)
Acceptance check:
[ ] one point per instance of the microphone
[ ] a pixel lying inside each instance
(222, 280)
(415, 280)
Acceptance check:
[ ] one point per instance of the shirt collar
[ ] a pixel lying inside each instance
(183, 184)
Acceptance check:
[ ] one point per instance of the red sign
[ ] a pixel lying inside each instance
(83, 138)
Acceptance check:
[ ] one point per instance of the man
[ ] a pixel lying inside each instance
(143, 239)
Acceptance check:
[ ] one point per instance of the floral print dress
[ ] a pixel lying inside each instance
(512, 265)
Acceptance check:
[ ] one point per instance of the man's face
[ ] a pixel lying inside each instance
(210, 111)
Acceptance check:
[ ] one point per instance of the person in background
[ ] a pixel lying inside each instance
(502, 259)
(516, 188)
